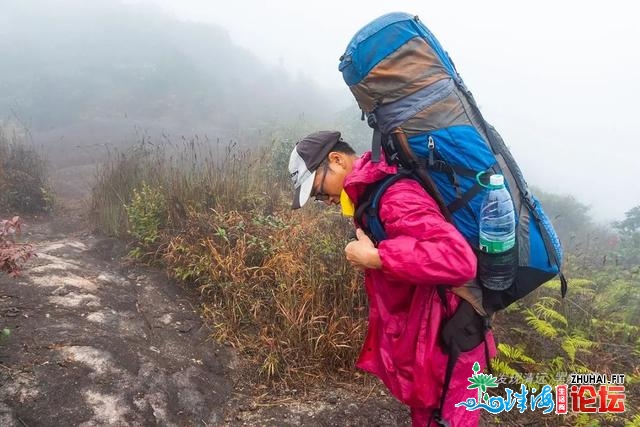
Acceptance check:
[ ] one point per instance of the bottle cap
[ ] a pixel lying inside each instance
(496, 180)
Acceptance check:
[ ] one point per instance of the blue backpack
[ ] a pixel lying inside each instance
(409, 89)
(427, 123)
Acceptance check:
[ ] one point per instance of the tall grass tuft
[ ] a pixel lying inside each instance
(192, 174)
(24, 183)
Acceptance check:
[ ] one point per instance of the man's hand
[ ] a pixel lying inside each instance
(362, 253)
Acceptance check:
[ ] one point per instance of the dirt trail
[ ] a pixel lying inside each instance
(95, 342)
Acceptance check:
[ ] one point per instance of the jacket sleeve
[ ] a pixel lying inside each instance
(421, 248)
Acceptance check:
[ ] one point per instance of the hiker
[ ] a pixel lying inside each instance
(402, 274)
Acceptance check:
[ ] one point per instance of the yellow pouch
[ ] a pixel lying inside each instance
(346, 204)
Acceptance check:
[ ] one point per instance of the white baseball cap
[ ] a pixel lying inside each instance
(306, 157)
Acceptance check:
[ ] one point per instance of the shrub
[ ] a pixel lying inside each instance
(12, 255)
(146, 215)
(276, 287)
(23, 178)
(115, 181)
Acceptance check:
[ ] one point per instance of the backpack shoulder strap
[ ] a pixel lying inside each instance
(367, 213)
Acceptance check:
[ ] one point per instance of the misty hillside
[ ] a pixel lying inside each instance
(64, 62)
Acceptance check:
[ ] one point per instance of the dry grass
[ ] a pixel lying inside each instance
(193, 174)
(24, 183)
(274, 283)
(277, 288)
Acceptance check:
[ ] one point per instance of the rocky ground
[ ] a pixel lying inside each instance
(97, 341)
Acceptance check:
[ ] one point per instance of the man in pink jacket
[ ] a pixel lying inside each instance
(422, 251)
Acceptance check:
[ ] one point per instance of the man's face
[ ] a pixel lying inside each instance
(329, 180)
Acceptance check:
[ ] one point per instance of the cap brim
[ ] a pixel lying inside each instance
(303, 192)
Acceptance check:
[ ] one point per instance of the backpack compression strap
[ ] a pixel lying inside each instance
(376, 139)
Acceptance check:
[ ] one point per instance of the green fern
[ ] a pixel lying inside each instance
(634, 422)
(577, 285)
(579, 368)
(502, 368)
(572, 344)
(516, 307)
(548, 301)
(585, 420)
(544, 310)
(541, 326)
(514, 353)
(557, 370)
(519, 330)
(616, 327)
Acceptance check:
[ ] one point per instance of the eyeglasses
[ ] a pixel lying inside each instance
(320, 196)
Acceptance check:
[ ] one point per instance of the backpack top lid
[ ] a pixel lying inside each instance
(392, 57)
(379, 38)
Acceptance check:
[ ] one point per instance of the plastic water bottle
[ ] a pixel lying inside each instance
(498, 263)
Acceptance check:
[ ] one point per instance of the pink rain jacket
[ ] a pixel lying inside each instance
(422, 250)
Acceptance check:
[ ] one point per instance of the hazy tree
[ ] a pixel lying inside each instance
(631, 223)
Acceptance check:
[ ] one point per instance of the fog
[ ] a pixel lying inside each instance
(557, 79)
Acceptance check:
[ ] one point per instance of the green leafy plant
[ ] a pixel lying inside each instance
(146, 214)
